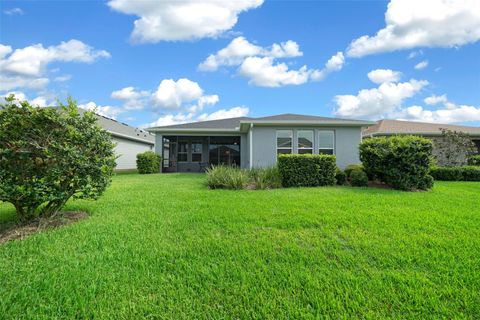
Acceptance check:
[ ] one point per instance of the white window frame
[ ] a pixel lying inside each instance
(284, 148)
(313, 140)
(318, 137)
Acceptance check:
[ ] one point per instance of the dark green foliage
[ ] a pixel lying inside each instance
(474, 160)
(462, 173)
(454, 148)
(358, 178)
(400, 161)
(148, 162)
(352, 167)
(307, 170)
(340, 177)
(48, 155)
(227, 177)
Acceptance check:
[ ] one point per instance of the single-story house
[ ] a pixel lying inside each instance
(129, 141)
(428, 130)
(255, 142)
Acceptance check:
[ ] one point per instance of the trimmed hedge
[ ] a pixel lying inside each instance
(463, 173)
(358, 178)
(148, 162)
(351, 167)
(474, 160)
(402, 162)
(307, 170)
(340, 177)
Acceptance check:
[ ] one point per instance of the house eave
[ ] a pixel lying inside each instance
(119, 135)
(193, 130)
(419, 133)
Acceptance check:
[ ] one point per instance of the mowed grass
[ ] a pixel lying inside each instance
(164, 246)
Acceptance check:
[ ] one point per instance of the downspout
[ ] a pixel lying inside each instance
(250, 144)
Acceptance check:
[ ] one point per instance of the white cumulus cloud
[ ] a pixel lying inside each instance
(379, 76)
(172, 94)
(26, 67)
(421, 65)
(426, 23)
(133, 99)
(182, 20)
(106, 111)
(452, 114)
(383, 100)
(433, 99)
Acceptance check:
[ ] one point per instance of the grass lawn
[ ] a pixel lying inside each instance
(163, 246)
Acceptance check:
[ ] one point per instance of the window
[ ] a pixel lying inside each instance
(182, 151)
(326, 142)
(284, 141)
(305, 141)
(197, 152)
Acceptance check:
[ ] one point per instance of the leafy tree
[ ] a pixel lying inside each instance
(49, 155)
(453, 148)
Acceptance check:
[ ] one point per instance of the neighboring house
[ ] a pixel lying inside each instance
(255, 142)
(129, 140)
(429, 130)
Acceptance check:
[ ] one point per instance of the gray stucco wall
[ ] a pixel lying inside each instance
(347, 140)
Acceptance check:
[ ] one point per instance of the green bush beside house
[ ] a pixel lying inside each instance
(148, 162)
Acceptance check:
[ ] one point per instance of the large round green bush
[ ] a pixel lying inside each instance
(49, 155)
(148, 162)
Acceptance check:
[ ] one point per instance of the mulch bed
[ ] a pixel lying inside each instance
(14, 231)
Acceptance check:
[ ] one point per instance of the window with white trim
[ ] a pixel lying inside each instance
(326, 142)
(284, 141)
(305, 141)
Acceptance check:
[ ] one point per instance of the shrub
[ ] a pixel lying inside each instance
(226, 177)
(148, 162)
(265, 178)
(453, 148)
(352, 167)
(48, 155)
(474, 160)
(400, 161)
(358, 178)
(463, 173)
(340, 177)
(307, 170)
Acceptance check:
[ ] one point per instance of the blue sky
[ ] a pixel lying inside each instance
(91, 50)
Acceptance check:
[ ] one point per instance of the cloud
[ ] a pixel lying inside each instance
(263, 72)
(456, 114)
(182, 20)
(132, 99)
(335, 63)
(172, 94)
(171, 119)
(62, 78)
(260, 64)
(26, 67)
(380, 76)
(421, 65)
(427, 23)
(13, 11)
(433, 99)
(415, 54)
(373, 103)
(240, 48)
(40, 101)
(106, 111)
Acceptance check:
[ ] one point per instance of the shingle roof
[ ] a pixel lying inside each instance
(388, 127)
(234, 123)
(123, 130)
(230, 123)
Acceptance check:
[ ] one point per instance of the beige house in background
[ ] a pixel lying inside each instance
(432, 131)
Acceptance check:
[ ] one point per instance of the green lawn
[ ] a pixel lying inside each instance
(163, 246)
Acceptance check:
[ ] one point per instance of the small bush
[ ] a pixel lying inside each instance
(351, 167)
(463, 173)
(340, 177)
(307, 170)
(148, 162)
(358, 178)
(402, 162)
(265, 178)
(474, 160)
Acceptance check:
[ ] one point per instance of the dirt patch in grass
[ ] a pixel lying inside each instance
(14, 231)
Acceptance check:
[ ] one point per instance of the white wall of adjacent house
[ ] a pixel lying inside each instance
(127, 151)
